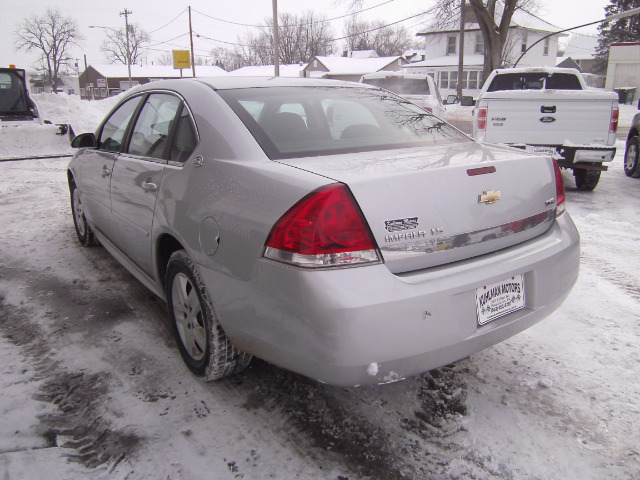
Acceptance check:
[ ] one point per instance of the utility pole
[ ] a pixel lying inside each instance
(276, 40)
(193, 63)
(126, 14)
(461, 53)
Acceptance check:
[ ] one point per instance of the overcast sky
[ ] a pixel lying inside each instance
(167, 20)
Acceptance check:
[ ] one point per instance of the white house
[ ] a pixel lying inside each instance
(350, 68)
(441, 51)
(623, 70)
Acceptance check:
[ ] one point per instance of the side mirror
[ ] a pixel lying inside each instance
(84, 140)
(451, 99)
(467, 101)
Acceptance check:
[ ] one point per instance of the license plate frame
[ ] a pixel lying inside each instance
(541, 150)
(498, 299)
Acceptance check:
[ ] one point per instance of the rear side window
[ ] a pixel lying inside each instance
(152, 128)
(401, 85)
(113, 130)
(185, 140)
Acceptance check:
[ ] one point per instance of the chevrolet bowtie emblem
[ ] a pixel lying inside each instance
(489, 197)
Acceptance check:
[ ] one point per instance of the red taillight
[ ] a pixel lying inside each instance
(560, 194)
(615, 114)
(323, 229)
(482, 119)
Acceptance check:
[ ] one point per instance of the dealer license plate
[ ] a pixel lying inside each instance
(499, 299)
(550, 151)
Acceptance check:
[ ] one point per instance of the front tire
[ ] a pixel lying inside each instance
(204, 346)
(83, 231)
(586, 179)
(631, 168)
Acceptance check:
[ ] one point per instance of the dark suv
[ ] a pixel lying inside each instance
(631, 158)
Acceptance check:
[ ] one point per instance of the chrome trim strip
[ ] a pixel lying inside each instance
(399, 244)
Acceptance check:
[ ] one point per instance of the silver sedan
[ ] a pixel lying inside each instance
(331, 228)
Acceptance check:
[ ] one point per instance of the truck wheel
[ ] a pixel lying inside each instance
(631, 158)
(586, 179)
(204, 346)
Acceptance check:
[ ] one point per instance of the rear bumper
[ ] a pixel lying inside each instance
(581, 156)
(365, 325)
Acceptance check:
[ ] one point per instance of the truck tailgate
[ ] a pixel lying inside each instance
(549, 117)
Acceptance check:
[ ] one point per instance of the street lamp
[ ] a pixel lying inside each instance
(126, 13)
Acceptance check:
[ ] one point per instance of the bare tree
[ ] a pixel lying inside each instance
(227, 59)
(115, 46)
(493, 18)
(387, 41)
(53, 35)
(301, 38)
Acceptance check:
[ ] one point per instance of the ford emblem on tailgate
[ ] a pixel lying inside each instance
(548, 119)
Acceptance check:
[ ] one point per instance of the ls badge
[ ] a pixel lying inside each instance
(489, 197)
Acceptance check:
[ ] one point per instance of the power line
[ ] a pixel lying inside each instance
(301, 24)
(169, 23)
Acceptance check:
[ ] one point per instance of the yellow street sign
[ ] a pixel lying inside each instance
(181, 59)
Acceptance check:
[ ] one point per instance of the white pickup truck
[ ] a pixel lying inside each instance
(550, 111)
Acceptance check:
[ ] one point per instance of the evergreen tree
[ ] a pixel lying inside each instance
(621, 30)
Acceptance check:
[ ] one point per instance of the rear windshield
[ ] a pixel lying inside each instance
(291, 122)
(534, 81)
(400, 85)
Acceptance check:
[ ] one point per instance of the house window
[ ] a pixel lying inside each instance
(546, 47)
(473, 79)
(82, 94)
(452, 40)
(479, 43)
(444, 79)
(523, 47)
(453, 79)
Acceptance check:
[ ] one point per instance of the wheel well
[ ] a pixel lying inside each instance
(167, 245)
(632, 133)
(70, 178)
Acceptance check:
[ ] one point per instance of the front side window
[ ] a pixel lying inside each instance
(113, 130)
(151, 131)
(335, 120)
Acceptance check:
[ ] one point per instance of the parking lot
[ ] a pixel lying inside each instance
(93, 386)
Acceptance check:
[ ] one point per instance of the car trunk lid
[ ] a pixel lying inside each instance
(430, 206)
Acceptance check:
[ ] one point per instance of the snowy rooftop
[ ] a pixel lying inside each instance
(156, 71)
(294, 70)
(520, 18)
(356, 66)
(581, 47)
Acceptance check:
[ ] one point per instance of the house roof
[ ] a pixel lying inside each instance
(294, 70)
(581, 47)
(155, 71)
(520, 18)
(356, 66)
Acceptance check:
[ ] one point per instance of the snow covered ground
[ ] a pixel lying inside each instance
(92, 385)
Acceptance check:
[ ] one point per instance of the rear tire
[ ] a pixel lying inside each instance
(83, 231)
(586, 179)
(204, 346)
(631, 168)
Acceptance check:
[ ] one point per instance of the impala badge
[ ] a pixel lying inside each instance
(489, 197)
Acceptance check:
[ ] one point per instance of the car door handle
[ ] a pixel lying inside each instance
(149, 186)
(551, 109)
(105, 171)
